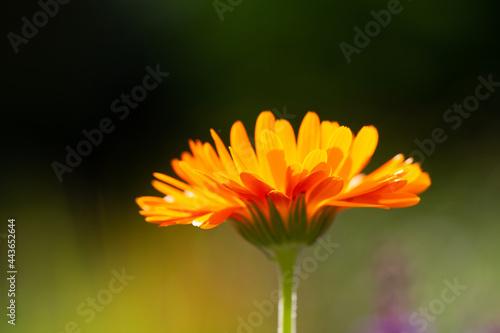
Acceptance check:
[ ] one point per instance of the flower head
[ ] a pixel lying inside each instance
(284, 189)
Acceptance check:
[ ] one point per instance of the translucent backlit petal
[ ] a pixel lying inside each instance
(242, 146)
(389, 167)
(420, 184)
(285, 132)
(312, 159)
(309, 137)
(327, 130)
(264, 121)
(338, 147)
(361, 152)
(225, 158)
(274, 162)
(217, 218)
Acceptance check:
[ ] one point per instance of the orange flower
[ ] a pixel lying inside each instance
(286, 189)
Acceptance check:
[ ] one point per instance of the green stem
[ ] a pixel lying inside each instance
(287, 309)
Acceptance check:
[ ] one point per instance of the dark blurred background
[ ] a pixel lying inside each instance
(74, 234)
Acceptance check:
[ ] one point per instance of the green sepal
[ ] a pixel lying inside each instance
(268, 231)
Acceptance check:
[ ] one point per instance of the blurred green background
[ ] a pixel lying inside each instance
(283, 56)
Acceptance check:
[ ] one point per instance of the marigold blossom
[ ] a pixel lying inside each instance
(285, 189)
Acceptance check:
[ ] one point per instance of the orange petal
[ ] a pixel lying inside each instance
(242, 191)
(198, 221)
(169, 190)
(274, 165)
(418, 185)
(326, 189)
(211, 158)
(172, 181)
(256, 185)
(393, 200)
(294, 174)
(338, 147)
(308, 183)
(217, 218)
(322, 166)
(197, 176)
(309, 135)
(362, 150)
(281, 202)
(285, 132)
(350, 204)
(180, 172)
(238, 161)
(227, 161)
(392, 186)
(195, 147)
(314, 158)
(327, 129)
(148, 201)
(165, 220)
(164, 215)
(388, 168)
(264, 121)
(364, 187)
(242, 146)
